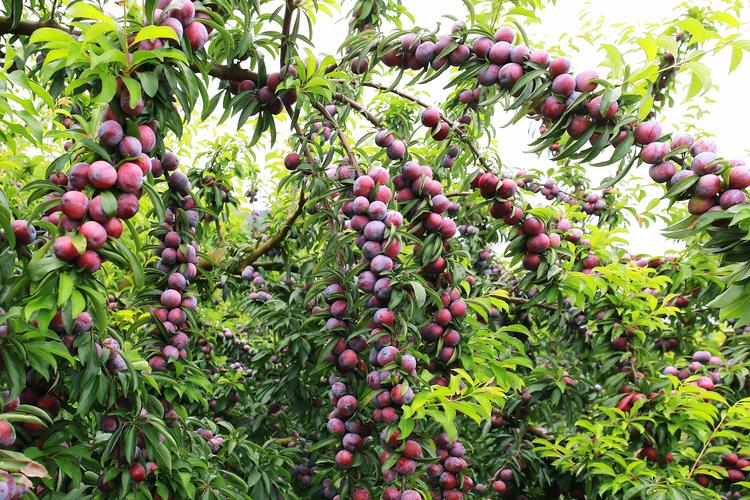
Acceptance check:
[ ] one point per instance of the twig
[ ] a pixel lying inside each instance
(410, 97)
(522, 300)
(342, 138)
(359, 109)
(705, 445)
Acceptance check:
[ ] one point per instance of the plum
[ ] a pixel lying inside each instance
(499, 53)
(584, 81)
(662, 172)
(74, 204)
(705, 163)
(732, 197)
(488, 76)
(647, 132)
(655, 152)
(505, 34)
(509, 74)
(102, 175)
(126, 107)
(196, 34)
(552, 108)
(110, 133)
(95, 234)
(64, 249)
(90, 261)
(24, 232)
(130, 146)
(707, 186)
(559, 67)
(739, 177)
(595, 109)
(482, 46)
(127, 206)
(564, 85)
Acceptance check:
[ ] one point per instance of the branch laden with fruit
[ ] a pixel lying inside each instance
(148, 353)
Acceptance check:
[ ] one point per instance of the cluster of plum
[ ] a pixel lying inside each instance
(442, 329)
(498, 485)
(714, 184)
(590, 203)
(439, 130)
(416, 53)
(304, 475)
(178, 263)
(214, 442)
(182, 17)
(206, 347)
(9, 488)
(651, 454)
(735, 466)
(703, 362)
(260, 292)
(395, 149)
(366, 211)
(667, 71)
(451, 154)
(447, 474)
(343, 423)
(229, 336)
(100, 194)
(36, 393)
(140, 467)
(416, 182)
(505, 65)
(538, 238)
(268, 95)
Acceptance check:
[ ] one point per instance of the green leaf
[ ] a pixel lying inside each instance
(149, 81)
(66, 282)
(134, 88)
(736, 58)
(419, 293)
(84, 10)
(50, 35)
(154, 32)
(135, 264)
(109, 203)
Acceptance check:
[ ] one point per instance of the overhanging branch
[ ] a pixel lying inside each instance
(277, 238)
(27, 28)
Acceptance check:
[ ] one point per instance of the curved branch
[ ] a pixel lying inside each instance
(359, 109)
(411, 97)
(27, 28)
(277, 238)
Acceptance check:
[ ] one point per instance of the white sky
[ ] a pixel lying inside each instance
(728, 115)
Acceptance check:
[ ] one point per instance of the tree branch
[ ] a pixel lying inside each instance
(285, 27)
(410, 97)
(277, 238)
(27, 28)
(359, 109)
(342, 138)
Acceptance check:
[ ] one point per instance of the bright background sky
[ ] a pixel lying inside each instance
(727, 120)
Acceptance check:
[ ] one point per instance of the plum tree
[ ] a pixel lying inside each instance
(361, 335)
